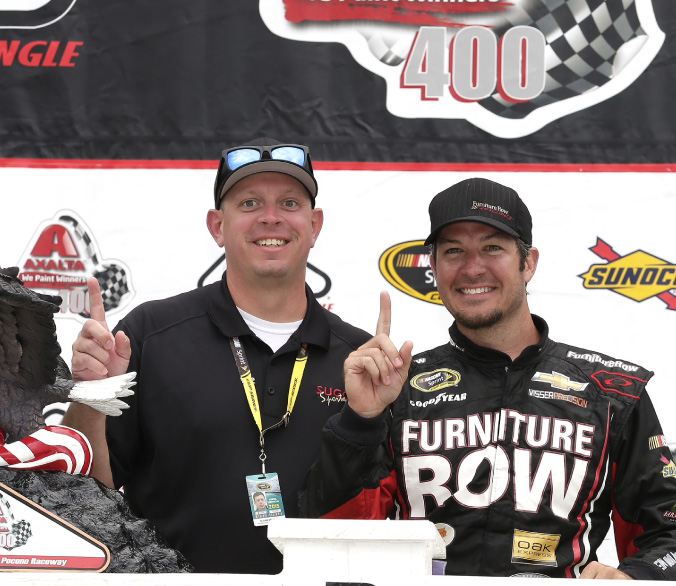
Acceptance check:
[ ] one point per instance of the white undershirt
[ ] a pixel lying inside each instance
(273, 334)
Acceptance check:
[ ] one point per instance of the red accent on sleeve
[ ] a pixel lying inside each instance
(625, 532)
(370, 503)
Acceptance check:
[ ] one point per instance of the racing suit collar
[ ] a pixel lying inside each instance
(462, 345)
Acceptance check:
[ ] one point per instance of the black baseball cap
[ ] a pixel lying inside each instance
(481, 200)
(262, 155)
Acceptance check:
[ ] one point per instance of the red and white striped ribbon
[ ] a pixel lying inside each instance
(54, 447)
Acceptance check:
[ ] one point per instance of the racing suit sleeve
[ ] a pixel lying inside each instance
(644, 498)
(354, 477)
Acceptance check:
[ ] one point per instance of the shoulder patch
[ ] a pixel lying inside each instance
(620, 383)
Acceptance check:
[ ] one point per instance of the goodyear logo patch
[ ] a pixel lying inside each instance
(436, 380)
(406, 266)
(638, 276)
(534, 548)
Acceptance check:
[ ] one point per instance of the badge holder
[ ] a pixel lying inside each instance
(265, 495)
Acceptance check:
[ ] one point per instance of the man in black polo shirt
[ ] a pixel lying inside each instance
(234, 380)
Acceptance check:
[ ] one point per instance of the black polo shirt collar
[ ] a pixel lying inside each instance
(314, 330)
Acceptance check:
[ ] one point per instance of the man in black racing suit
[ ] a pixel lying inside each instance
(518, 448)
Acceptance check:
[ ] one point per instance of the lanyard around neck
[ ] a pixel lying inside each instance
(250, 387)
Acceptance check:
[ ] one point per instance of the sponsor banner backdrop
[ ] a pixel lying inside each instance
(528, 81)
(605, 280)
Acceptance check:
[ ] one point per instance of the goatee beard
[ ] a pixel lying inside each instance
(478, 322)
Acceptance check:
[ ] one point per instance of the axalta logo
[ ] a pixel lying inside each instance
(407, 267)
(508, 67)
(60, 259)
(638, 276)
(442, 378)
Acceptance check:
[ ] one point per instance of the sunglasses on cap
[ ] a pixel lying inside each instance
(233, 160)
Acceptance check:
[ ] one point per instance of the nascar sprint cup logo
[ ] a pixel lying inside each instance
(508, 67)
(407, 267)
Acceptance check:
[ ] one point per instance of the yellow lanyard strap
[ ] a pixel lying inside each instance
(250, 387)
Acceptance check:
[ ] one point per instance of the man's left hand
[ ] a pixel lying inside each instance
(598, 571)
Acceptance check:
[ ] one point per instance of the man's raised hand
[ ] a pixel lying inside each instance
(97, 353)
(376, 372)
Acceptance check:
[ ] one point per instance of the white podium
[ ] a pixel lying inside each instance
(371, 552)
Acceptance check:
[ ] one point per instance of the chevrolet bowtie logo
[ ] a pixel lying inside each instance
(559, 381)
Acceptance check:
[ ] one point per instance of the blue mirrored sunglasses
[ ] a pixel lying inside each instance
(238, 157)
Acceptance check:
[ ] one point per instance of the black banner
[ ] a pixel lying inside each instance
(178, 80)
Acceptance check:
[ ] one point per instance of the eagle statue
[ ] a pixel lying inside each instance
(32, 372)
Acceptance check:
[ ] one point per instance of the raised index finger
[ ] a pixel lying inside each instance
(96, 309)
(385, 316)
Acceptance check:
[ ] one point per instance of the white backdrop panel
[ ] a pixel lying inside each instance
(153, 221)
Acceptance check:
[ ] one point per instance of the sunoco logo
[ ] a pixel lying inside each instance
(407, 267)
(60, 259)
(638, 276)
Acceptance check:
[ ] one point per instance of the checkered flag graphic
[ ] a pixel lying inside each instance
(389, 45)
(89, 257)
(22, 532)
(583, 39)
(111, 277)
(113, 281)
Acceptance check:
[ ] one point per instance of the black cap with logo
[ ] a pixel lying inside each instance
(481, 200)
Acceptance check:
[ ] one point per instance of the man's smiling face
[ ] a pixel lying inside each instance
(478, 274)
(267, 226)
